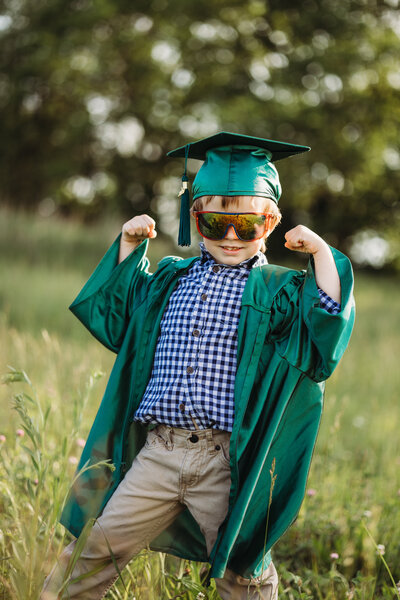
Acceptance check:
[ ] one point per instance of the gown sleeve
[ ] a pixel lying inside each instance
(106, 302)
(306, 334)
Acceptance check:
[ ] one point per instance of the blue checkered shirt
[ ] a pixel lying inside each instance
(194, 368)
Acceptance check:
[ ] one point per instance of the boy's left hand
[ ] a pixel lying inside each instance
(302, 239)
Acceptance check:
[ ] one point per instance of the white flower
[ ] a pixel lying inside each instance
(380, 549)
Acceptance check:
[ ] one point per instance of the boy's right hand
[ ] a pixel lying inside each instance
(134, 232)
(138, 229)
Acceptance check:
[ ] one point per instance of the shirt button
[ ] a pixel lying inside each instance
(189, 370)
(204, 297)
(182, 407)
(196, 333)
(216, 268)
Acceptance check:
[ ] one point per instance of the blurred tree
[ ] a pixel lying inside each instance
(94, 93)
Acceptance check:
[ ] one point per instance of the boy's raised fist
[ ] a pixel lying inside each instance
(138, 229)
(303, 239)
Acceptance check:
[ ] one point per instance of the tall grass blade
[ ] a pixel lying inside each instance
(379, 553)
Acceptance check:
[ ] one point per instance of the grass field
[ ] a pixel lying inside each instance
(346, 540)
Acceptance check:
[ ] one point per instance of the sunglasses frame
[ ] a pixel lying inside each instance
(268, 216)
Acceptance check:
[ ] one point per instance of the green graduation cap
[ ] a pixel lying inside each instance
(234, 165)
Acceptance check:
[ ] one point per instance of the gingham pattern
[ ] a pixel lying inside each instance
(195, 361)
(331, 306)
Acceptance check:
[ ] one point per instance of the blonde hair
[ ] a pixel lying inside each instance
(227, 201)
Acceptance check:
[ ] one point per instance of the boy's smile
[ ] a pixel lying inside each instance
(231, 250)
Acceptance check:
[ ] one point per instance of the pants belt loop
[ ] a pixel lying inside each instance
(209, 438)
(168, 441)
(194, 423)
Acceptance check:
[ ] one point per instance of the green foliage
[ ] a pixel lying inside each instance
(33, 488)
(94, 92)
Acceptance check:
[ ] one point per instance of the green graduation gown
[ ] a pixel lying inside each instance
(287, 347)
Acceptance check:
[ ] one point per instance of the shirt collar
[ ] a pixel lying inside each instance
(254, 261)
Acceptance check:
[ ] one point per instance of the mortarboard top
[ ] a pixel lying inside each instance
(234, 165)
(199, 149)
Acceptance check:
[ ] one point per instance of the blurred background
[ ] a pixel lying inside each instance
(93, 93)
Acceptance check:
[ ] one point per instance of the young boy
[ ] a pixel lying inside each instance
(212, 409)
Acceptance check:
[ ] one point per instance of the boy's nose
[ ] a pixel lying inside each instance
(231, 233)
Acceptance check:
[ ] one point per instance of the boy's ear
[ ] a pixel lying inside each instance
(271, 226)
(270, 229)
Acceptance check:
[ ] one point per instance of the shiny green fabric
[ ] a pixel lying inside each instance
(287, 347)
(237, 171)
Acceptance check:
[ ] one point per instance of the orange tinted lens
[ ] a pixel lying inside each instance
(212, 225)
(249, 227)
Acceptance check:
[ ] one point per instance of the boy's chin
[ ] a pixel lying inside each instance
(232, 252)
(230, 257)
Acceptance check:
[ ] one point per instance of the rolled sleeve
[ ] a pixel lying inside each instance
(328, 304)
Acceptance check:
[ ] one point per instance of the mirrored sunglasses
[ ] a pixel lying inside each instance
(248, 226)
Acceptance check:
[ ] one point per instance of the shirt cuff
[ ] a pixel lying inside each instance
(331, 306)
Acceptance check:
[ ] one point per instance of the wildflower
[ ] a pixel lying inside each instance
(200, 596)
(2, 438)
(380, 549)
(367, 514)
(35, 481)
(20, 432)
(311, 492)
(80, 442)
(359, 421)
(73, 460)
(398, 586)
(334, 555)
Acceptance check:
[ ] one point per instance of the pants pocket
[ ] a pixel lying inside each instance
(222, 448)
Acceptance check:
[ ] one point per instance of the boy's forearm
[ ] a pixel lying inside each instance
(125, 249)
(302, 239)
(326, 274)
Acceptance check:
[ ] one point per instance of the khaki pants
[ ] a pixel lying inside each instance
(174, 469)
